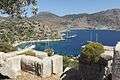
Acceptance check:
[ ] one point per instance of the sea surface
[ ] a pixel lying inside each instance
(74, 39)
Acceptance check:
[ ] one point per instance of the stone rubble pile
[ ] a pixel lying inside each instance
(41, 64)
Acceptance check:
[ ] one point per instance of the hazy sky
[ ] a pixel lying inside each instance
(62, 7)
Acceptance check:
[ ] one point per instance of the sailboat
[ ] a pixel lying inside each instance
(96, 38)
(72, 36)
(31, 46)
(67, 34)
(90, 37)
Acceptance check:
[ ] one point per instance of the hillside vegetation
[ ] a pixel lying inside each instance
(46, 24)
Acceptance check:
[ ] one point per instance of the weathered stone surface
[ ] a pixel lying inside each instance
(11, 67)
(47, 67)
(108, 55)
(108, 48)
(116, 66)
(40, 54)
(1, 58)
(117, 47)
(57, 62)
(11, 63)
(116, 63)
(4, 56)
(31, 64)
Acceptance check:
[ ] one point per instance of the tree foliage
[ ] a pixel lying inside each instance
(49, 51)
(17, 7)
(92, 51)
(6, 47)
(70, 62)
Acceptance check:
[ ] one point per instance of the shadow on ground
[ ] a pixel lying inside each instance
(2, 77)
(71, 74)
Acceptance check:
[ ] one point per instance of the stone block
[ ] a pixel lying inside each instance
(117, 47)
(57, 62)
(46, 67)
(11, 67)
(40, 54)
(31, 64)
(107, 55)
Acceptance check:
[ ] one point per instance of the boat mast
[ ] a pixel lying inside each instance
(96, 37)
(48, 37)
(90, 35)
(47, 32)
(68, 29)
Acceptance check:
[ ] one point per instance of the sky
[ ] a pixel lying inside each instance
(64, 7)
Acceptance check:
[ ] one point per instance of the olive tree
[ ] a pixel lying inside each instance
(17, 7)
(92, 51)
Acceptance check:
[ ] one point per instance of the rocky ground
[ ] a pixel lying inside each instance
(28, 76)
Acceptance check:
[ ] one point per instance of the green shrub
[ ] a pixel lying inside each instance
(70, 62)
(49, 51)
(6, 47)
(92, 51)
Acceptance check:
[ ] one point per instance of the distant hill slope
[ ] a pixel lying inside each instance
(45, 16)
(109, 18)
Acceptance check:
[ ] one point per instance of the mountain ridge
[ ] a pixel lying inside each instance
(108, 18)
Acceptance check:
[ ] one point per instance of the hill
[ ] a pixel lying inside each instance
(105, 19)
(109, 18)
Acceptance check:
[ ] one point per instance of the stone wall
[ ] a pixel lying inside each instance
(11, 67)
(116, 66)
(29, 63)
(91, 71)
(41, 65)
(57, 64)
(47, 67)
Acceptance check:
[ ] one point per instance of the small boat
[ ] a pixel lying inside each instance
(72, 36)
(63, 34)
(31, 46)
(19, 49)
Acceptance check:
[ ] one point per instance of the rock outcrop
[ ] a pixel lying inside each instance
(116, 63)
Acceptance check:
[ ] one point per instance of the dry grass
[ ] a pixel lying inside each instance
(28, 76)
(28, 53)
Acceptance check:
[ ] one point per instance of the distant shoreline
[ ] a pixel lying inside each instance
(45, 40)
(77, 28)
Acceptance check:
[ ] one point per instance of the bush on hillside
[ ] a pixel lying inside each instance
(70, 62)
(49, 51)
(6, 47)
(92, 51)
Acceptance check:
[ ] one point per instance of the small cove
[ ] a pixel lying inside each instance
(74, 39)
